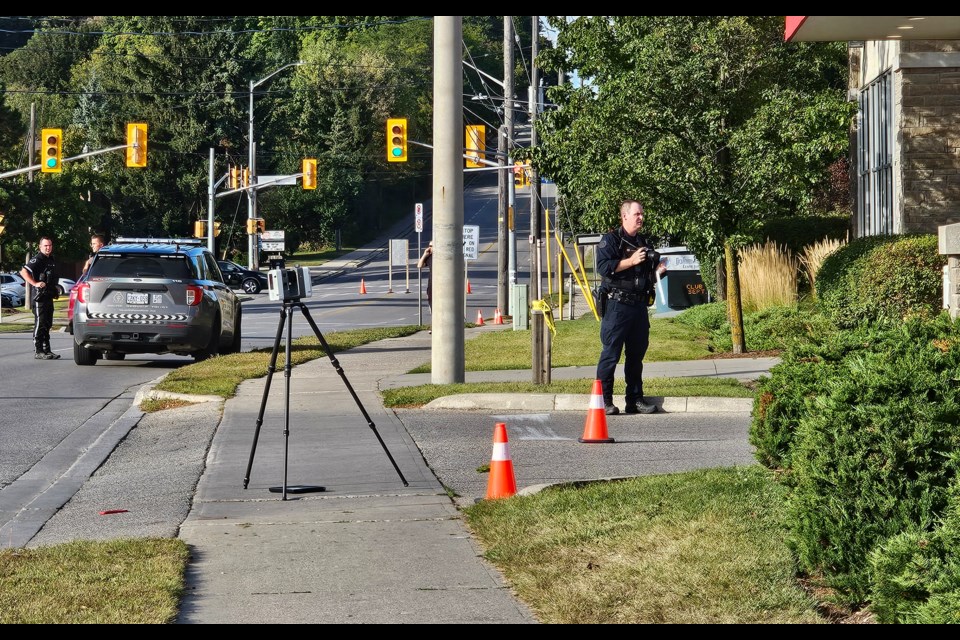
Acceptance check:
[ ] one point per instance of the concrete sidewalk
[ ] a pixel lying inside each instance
(383, 542)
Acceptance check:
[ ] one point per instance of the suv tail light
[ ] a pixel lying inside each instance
(194, 295)
(83, 292)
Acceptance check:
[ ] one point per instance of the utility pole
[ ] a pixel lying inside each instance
(447, 359)
(506, 269)
(540, 347)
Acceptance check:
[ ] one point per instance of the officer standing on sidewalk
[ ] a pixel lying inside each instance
(627, 263)
(40, 272)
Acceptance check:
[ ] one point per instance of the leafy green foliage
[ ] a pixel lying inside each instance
(797, 232)
(882, 279)
(704, 317)
(777, 328)
(703, 118)
(874, 452)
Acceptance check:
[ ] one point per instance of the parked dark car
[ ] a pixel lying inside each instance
(241, 278)
(154, 296)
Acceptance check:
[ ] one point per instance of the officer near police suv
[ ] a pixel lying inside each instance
(40, 272)
(628, 266)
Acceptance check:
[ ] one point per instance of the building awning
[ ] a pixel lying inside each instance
(838, 28)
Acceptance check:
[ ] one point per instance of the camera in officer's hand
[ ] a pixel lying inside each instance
(652, 260)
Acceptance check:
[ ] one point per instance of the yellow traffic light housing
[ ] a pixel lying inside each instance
(520, 178)
(475, 145)
(216, 228)
(137, 144)
(234, 177)
(200, 229)
(3, 227)
(246, 176)
(261, 225)
(251, 226)
(51, 145)
(396, 140)
(309, 173)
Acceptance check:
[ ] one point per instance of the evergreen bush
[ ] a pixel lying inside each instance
(882, 279)
(916, 574)
(704, 317)
(873, 452)
(776, 328)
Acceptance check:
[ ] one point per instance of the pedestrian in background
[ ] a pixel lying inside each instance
(627, 263)
(40, 272)
(96, 241)
(424, 263)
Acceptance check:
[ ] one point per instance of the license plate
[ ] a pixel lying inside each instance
(138, 298)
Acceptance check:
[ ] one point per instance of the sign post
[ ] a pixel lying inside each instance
(418, 227)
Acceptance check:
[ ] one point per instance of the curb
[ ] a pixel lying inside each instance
(579, 402)
(147, 392)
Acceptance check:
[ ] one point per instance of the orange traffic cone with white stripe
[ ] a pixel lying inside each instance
(479, 318)
(497, 318)
(501, 483)
(363, 287)
(595, 429)
(469, 290)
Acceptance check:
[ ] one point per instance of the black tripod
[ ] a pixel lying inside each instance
(286, 314)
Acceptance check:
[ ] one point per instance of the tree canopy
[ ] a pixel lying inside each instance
(713, 122)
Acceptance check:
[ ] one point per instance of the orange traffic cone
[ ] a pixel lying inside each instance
(595, 429)
(501, 483)
(469, 290)
(363, 287)
(479, 318)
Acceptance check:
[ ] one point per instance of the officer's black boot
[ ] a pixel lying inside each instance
(48, 354)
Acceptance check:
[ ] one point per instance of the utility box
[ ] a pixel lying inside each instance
(520, 307)
(681, 286)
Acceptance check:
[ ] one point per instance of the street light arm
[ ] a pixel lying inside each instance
(254, 85)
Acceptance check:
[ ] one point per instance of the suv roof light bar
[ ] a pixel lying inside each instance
(184, 241)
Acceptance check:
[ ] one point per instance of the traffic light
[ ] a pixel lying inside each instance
(475, 145)
(251, 226)
(309, 173)
(261, 225)
(51, 143)
(520, 175)
(246, 176)
(396, 139)
(136, 144)
(234, 177)
(200, 229)
(216, 228)
(3, 227)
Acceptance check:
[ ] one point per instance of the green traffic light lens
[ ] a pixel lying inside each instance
(397, 152)
(51, 162)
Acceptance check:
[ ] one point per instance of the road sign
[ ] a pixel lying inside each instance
(418, 217)
(273, 235)
(471, 241)
(273, 246)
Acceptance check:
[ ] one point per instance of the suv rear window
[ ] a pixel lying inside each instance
(174, 267)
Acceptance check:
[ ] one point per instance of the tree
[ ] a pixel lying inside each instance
(713, 122)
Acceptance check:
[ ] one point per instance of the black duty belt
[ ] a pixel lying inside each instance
(624, 297)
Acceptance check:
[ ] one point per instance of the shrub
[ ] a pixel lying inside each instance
(782, 398)
(916, 574)
(797, 232)
(872, 452)
(882, 279)
(704, 317)
(776, 328)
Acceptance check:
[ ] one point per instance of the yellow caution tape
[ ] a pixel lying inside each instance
(544, 308)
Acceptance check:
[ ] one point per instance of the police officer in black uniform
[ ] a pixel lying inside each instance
(41, 273)
(627, 263)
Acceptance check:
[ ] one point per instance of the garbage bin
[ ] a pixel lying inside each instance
(681, 286)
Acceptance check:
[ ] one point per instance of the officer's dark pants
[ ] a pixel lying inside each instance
(624, 328)
(42, 321)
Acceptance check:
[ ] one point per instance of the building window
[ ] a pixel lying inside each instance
(875, 158)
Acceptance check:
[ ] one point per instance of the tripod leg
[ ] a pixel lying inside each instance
(343, 376)
(266, 392)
